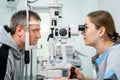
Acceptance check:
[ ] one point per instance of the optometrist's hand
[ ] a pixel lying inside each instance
(77, 73)
(61, 79)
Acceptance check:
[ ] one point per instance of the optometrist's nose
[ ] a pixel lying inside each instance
(83, 32)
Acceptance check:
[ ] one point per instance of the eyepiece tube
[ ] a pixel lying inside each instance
(81, 27)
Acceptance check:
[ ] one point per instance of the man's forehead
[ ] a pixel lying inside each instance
(34, 25)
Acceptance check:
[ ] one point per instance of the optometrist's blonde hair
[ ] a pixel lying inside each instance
(103, 18)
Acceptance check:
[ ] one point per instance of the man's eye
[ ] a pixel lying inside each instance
(35, 31)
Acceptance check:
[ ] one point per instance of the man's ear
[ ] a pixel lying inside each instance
(102, 31)
(19, 31)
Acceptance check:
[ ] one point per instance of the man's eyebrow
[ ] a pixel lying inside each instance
(35, 29)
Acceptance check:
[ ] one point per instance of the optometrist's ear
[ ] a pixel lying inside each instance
(102, 31)
(20, 31)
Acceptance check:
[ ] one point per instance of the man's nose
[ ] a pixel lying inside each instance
(38, 35)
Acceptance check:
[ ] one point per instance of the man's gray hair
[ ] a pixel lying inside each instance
(19, 19)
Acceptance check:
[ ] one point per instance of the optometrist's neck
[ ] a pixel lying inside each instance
(103, 46)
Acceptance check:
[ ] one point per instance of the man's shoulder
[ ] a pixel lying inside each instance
(3, 59)
(4, 51)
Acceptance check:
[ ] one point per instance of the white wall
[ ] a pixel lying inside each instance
(5, 13)
(74, 12)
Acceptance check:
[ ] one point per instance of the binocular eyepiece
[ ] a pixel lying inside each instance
(81, 27)
(68, 31)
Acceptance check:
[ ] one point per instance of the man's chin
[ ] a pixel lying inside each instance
(34, 44)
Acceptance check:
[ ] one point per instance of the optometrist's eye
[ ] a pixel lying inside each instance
(86, 27)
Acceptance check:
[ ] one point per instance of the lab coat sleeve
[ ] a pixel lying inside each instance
(113, 61)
